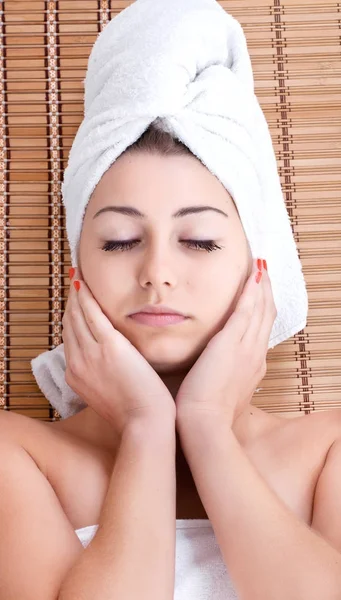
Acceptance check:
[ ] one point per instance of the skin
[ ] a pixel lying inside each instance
(161, 269)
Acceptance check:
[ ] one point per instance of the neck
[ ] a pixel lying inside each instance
(94, 429)
(248, 425)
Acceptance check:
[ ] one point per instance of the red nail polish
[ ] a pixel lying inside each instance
(71, 272)
(77, 285)
(260, 264)
(265, 265)
(259, 276)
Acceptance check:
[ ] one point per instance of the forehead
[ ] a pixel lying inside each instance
(165, 182)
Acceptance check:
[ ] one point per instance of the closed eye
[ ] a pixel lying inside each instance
(208, 245)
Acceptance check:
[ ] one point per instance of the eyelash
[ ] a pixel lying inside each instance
(208, 245)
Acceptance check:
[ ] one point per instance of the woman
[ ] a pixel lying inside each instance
(266, 484)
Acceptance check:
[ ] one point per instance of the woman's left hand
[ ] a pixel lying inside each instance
(227, 373)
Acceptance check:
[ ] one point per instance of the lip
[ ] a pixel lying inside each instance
(157, 310)
(157, 320)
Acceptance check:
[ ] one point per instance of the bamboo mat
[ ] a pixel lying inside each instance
(295, 52)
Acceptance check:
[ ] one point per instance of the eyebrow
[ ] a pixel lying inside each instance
(133, 212)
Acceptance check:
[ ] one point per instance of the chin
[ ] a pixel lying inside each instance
(168, 360)
(166, 354)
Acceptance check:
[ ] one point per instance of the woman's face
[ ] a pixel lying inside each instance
(161, 267)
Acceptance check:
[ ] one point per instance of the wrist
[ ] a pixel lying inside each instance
(202, 420)
(199, 435)
(151, 429)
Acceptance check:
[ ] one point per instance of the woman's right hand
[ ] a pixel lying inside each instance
(106, 370)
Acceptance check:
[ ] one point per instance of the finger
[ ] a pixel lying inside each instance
(75, 317)
(70, 294)
(79, 323)
(252, 334)
(240, 320)
(270, 313)
(259, 332)
(71, 344)
(97, 322)
(67, 318)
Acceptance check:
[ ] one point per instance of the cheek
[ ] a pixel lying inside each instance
(106, 294)
(219, 294)
(216, 282)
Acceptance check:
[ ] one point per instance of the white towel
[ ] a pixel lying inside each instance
(49, 371)
(185, 65)
(200, 569)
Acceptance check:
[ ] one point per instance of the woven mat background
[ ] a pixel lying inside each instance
(295, 48)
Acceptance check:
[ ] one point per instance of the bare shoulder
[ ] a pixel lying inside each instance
(20, 427)
(26, 432)
(317, 430)
(327, 423)
(45, 440)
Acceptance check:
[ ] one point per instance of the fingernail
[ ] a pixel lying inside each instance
(72, 271)
(265, 265)
(260, 264)
(259, 276)
(77, 285)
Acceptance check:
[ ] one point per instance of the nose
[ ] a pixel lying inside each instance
(157, 268)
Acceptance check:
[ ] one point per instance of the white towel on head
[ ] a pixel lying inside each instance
(184, 65)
